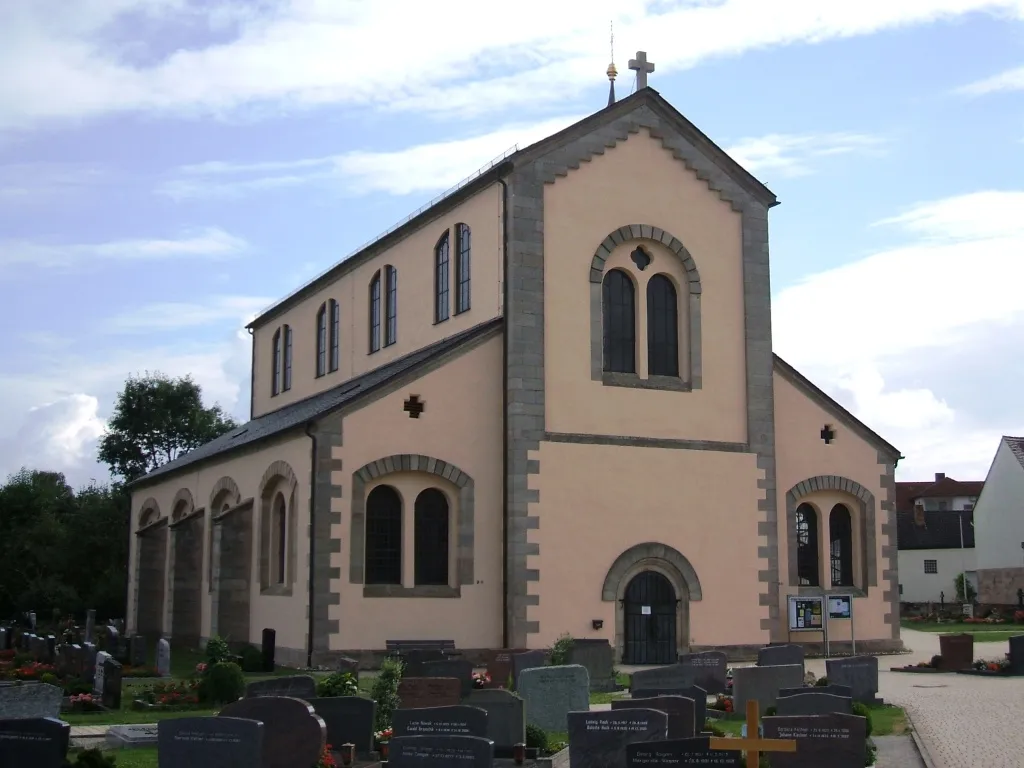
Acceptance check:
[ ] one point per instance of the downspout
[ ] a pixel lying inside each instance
(504, 415)
(252, 375)
(312, 537)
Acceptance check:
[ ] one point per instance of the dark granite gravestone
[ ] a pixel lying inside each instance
(668, 679)
(5, 639)
(460, 669)
(440, 752)
(813, 703)
(349, 720)
(458, 720)
(780, 655)
(137, 651)
(835, 741)
(551, 693)
(413, 660)
(293, 686)
(347, 665)
(835, 690)
(62, 660)
(682, 752)
(859, 673)
(1016, 655)
(269, 649)
(110, 697)
(30, 701)
(957, 651)
(37, 742)
(681, 712)
(599, 739)
(526, 660)
(110, 640)
(506, 718)
(709, 669)
(89, 661)
(50, 649)
(419, 692)
(499, 667)
(762, 684)
(598, 657)
(293, 734)
(210, 742)
(698, 695)
(76, 660)
(90, 626)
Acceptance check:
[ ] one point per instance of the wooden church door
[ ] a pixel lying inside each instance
(650, 607)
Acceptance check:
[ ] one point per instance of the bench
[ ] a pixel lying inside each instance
(398, 647)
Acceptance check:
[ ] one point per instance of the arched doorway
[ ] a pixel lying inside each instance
(650, 605)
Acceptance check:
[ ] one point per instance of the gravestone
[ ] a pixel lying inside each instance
(440, 752)
(1016, 655)
(460, 669)
(89, 654)
(413, 660)
(293, 686)
(683, 722)
(269, 649)
(97, 678)
(110, 640)
(598, 657)
(762, 684)
(957, 651)
(835, 690)
(698, 695)
(293, 734)
(5, 639)
(419, 692)
(349, 666)
(32, 620)
(458, 720)
(682, 752)
(111, 694)
(835, 741)
(30, 701)
(506, 719)
(709, 669)
(349, 720)
(131, 736)
(163, 658)
(526, 660)
(137, 651)
(90, 625)
(551, 693)
(859, 673)
(780, 655)
(76, 659)
(62, 660)
(813, 704)
(38, 742)
(499, 667)
(599, 739)
(50, 649)
(672, 678)
(210, 742)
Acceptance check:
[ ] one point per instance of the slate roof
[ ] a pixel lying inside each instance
(1016, 444)
(946, 488)
(941, 530)
(304, 411)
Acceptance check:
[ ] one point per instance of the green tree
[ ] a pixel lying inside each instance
(156, 419)
(959, 584)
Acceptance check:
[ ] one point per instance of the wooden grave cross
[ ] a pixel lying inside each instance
(752, 744)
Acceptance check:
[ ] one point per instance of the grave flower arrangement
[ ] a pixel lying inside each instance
(481, 679)
(170, 696)
(32, 670)
(327, 758)
(722, 703)
(84, 702)
(382, 737)
(996, 665)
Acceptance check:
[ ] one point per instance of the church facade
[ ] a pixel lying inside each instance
(547, 404)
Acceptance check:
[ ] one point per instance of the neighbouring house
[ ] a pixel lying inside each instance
(547, 403)
(999, 526)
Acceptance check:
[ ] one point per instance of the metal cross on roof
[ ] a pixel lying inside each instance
(642, 67)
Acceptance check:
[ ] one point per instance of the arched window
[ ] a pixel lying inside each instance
(286, 379)
(431, 534)
(390, 305)
(321, 340)
(807, 545)
(840, 532)
(662, 327)
(335, 317)
(619, 323)
(463, 248)
(375, 312)
(383, 536)
(280, 537)
(441, 279)
(275, 384)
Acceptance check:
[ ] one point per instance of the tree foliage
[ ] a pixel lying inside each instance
(156, 419)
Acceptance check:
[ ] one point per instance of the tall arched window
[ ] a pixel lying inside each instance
(431, 535)
(335, 318)
(286, 379)
(619, 323)
(275, 383)
(662, 327)
(280, 538)
(441, 279)
(463, 247)
(375, 312)
(390, 305)
(383, 536)
(840, 531)
(321, 340)
(807, 545)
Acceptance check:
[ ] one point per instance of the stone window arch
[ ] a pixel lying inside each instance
(655, 292)
(461, 495)
(182, 506)
(224, 496)
(278, 498)
(149, 513)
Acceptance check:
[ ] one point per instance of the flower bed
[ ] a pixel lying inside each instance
(481, 680)
(83, 704)
(170, 696)
(722, 704)
(993, 668)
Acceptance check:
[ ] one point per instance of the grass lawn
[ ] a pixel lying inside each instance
(983, 633)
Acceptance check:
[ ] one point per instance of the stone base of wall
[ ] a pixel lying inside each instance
(817, 648)
(998, 586)
(372, 659)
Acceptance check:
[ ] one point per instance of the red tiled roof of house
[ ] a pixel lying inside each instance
(943, 488)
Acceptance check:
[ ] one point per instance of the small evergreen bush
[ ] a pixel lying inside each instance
(385, 692)
(560, 650)
(536, 737)
(223, 683)
(337, 684)
(217, 650)
(252, 659)
(861, 710)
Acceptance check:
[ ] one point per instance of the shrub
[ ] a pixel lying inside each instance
(714, 730)
(971, 591)
(337, 684)
(252, 659)
(92, 758)
(76, 685)
(771, 712)
(222, 684)
(217, 650)
(385, 692)
(560, 650)
(861, 710)
(536, 737)
(49, 678)
(936, 662)
(822, 681)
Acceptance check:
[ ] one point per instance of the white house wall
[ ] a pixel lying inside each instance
(916, 586)
(999, 515)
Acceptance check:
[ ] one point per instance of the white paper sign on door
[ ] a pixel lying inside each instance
(645, 610)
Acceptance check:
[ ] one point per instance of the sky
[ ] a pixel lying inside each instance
(168, 168)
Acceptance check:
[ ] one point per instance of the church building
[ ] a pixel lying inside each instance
(546, 404)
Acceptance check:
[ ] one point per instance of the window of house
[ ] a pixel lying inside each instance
(462, 267)
(943, 506)
(335, 313)
(441, 279)
(286, 379)
(280, 538)
(968, 507)
(840, 529)
(375, 313)
(931, 566)
(275, 383)
(383, 536)
(807, 546)
(619, 310)
(662, 327)
(391, 305)
(321, 340)
(431, 536)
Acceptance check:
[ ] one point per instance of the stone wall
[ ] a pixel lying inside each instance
(186, 581)
(233, 544)
(998, 586)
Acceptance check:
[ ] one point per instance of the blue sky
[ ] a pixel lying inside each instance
(169, 167)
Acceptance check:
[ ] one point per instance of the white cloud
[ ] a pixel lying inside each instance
(298, 53)
(955, 283)
(42, 182)
(795, 155)
(210, 243)
(173, 316)
(1010, 80)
